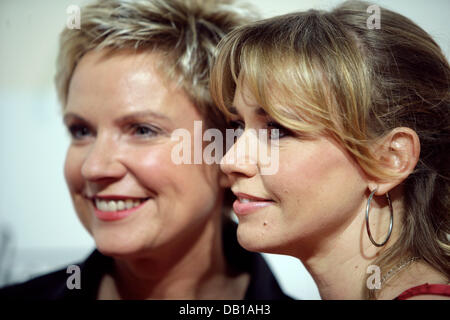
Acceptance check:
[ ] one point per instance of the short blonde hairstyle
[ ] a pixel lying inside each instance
(184, 32)
(321, 72)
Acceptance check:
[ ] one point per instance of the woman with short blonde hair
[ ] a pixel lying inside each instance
(135, 72)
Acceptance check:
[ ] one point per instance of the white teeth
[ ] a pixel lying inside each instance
(244, 200)
(128, 204)
(102, 205)
(112, 205)
(120, 205)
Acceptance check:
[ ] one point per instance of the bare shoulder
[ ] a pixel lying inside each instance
(429, 297)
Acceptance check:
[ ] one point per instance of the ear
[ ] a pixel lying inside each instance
(398, 152)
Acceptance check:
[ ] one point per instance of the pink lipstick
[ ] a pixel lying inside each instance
(246, 204)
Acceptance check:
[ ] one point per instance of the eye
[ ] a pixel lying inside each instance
(238, 127)
(144, 130)
(79, 131)
(236, 124)
(277, 131)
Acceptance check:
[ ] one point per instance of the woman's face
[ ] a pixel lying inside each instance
(126, 190)
(315, 194)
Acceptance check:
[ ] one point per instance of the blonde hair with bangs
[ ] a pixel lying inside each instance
(184, 32)
(326, 72)
(292, 77)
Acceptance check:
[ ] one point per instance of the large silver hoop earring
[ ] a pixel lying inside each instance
(391, 224)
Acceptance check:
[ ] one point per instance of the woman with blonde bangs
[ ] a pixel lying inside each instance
(361, 194)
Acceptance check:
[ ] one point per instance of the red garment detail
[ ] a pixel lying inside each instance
(436, 289)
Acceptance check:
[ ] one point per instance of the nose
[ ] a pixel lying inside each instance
(241, 158)
(103, 161)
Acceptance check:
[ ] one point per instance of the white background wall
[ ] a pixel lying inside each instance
(34, 203)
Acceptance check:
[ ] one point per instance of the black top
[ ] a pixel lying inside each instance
(52, 286)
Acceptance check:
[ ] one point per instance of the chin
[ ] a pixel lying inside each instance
(115, 247)
(251, 240)
(260, 241)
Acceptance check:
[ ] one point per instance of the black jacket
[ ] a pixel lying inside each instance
(52, 286)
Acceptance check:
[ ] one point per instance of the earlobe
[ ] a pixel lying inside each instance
(398, 153)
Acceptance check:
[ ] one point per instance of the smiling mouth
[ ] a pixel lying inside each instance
(246, 200)
(114, 205)
(246, 204)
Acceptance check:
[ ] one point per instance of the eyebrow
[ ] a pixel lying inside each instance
(143, 114)
(70, 115)
(259, 111)
(123, 119)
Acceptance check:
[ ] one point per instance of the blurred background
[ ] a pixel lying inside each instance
(39, 230)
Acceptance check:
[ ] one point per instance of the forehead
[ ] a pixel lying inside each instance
(245, 101)
(125, 81)
(243, 95)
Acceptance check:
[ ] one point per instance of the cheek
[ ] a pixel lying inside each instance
(157, 172)
(72, 169)
(183, 195)
(151, 166)
(297, 173)
(322, 176)
(75, 182)
(154, 169)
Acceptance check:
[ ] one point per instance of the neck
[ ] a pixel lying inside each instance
(338, 278)
(339, 262)
(192, 269)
